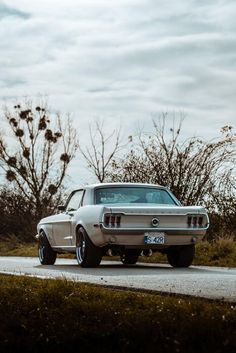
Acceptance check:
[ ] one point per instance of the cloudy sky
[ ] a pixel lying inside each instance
(124, 60)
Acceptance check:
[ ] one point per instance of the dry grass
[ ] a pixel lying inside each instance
(219, 253)
(10, 246)
(44, 315)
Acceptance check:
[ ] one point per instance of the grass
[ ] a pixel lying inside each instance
(14, 248)
(42, 315)
(219, 253)
(11, 246)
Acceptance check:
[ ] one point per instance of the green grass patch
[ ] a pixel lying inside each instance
(42, 315)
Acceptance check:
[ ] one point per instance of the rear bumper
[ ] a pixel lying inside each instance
(135, 238)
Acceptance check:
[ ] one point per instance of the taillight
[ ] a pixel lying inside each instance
(200, 222)
(107, 221)
(112, 221)
(195, 221)
(118, 219)
(189, 221)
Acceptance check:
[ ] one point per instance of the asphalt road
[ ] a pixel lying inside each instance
(199, 281)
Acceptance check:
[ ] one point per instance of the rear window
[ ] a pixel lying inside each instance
(130, 195)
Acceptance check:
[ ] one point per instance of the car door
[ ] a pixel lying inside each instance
(62, 229)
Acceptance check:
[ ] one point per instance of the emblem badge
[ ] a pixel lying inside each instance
(155, 222)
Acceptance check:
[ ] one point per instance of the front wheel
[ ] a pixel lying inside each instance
(47, 256)
(87, 254)
(181, 256)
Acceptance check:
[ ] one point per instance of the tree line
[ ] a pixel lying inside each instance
(37, 146)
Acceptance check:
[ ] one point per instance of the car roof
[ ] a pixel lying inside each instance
(93, 186)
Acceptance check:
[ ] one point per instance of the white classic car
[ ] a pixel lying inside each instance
(124, 219)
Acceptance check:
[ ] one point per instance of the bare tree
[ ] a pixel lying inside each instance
(101, 150)
(195, 170)
(35, 153)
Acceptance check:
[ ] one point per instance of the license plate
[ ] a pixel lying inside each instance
(154, 238)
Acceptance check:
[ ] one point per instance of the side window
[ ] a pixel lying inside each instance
(75, 201)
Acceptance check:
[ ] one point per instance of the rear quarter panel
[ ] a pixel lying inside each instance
(89, 217)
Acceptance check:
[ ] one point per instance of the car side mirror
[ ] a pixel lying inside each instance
(61, 208)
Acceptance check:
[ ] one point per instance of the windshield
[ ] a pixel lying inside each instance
(128, 195)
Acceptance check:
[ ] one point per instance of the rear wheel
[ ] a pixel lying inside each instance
(130, 256)
(181, 256)
(47, 256)
(87, 254)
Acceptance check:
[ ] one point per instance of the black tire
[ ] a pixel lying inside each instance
(87, 254)
(181, 256)
(130, 256)
(47, 256)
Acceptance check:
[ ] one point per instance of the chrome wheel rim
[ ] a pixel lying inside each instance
(41, 251)
(80, 248)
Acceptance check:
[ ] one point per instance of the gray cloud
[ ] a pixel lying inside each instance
(125, 61)
(6, 11)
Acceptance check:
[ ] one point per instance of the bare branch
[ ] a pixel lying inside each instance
(101, 150)
(43, 149)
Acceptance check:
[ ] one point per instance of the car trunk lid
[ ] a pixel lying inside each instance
(155, 217)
